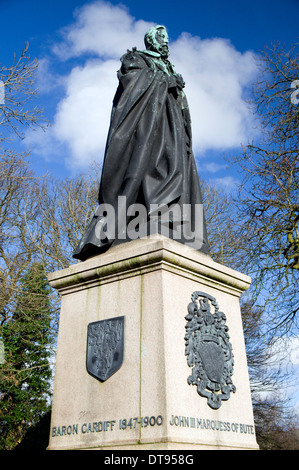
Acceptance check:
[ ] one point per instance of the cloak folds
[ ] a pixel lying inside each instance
(148, 159)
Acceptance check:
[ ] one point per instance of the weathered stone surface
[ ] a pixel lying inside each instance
(147, 403)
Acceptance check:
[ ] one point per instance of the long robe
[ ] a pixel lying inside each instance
(148, 157)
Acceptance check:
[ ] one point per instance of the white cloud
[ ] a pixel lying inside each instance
(285, 351)
(212, 167)
(102, 29)
(215, 74)
(228, 183)
(294, 351)
(214, 71)
(82, 118)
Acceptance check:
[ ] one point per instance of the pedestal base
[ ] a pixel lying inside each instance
(147, 403)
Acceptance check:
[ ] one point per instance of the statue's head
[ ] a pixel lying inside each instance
(156, 39)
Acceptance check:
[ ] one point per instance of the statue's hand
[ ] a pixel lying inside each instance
(180, 80)
(175, 84)
(172, 83)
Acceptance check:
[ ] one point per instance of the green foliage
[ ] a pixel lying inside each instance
(25, 375)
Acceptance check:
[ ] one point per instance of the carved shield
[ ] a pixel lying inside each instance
(105, 347)
(212, 360)
(209, 350)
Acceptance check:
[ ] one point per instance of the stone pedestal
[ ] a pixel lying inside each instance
(147, 403)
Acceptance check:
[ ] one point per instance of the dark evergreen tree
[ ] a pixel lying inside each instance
(26, 372)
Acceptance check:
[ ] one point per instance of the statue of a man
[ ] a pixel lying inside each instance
(149, 182)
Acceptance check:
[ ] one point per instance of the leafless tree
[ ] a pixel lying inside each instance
(17, 94)
(17, 181)
(269, 196)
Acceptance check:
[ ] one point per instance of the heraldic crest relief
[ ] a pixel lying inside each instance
(105, 347)
(208, 350)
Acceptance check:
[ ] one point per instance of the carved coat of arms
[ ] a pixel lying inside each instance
(209, 350)
(105, 347)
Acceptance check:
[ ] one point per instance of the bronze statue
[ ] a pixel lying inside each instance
(149, 168)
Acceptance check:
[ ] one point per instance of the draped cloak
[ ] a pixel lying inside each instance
(148, 157)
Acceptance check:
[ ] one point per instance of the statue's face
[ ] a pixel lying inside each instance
(161, 43)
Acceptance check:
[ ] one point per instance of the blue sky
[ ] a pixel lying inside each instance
(78, 44)
(249, 25)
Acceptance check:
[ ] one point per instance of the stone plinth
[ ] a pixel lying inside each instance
(147, 403)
